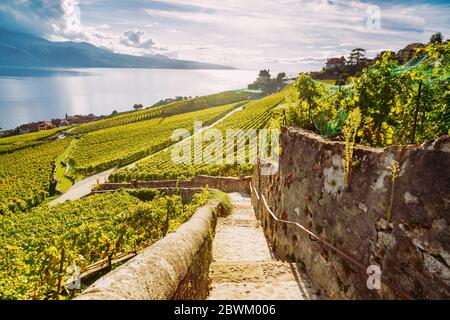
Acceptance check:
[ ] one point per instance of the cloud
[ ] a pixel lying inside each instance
(296, 34)
(60, 20)
(42, 17)
(136, 38)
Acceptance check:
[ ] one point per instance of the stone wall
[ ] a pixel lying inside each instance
(175, 267)
(186, 194)
(226, 184)
(412, 249)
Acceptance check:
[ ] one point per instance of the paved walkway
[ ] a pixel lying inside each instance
(243, 268)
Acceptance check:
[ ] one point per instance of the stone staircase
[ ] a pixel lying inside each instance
(243, 267)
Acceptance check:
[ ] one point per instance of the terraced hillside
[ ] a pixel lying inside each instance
(35, 246)
(120, 145)
(12, 143)
(26, 176)
(254, 115)
(171, 109)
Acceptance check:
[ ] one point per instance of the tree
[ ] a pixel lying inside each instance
(306, 96)
(437, 38)
(114, 113)
(138, 106)
(356, 55)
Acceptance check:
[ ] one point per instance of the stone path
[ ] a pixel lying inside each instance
(243, 268)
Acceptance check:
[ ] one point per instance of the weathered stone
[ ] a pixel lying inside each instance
(226, 184)
(386, 240)
(382, 224)
(434, 266)
(409, 198)
(356, 217)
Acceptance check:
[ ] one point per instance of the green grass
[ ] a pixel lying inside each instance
(64, 183)
(226, 207)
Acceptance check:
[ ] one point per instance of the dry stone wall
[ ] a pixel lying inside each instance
(225, 184)
(412, 248)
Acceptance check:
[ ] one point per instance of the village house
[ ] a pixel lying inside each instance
(45, 125)
(333, 63)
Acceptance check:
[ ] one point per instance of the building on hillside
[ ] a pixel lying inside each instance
(64, 123)
(333, 63)
(408, 52)
(264, 78)
(45, 125)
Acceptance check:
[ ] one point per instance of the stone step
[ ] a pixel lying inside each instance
(284, 290)
(256, 271)
(234, 242)
(242, 265)
(241, 222)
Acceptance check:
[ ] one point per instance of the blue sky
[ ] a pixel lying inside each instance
(292, 35)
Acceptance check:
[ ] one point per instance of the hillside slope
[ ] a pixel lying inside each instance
(23, 50)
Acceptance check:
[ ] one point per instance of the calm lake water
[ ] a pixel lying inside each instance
(28, 95)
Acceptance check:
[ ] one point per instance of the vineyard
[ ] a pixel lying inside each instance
(171, 109)
(117, 146)
(12, 143)
(254, 115)
(39, 248)
(399, 104)
(26, 176)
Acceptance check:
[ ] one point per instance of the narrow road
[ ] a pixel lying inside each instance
(243, 267)
(84, 187)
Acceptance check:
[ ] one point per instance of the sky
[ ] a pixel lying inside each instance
(283, 35)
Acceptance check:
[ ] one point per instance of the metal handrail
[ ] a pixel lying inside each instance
(402, 293)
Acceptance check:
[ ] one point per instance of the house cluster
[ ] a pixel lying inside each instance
(403, 56)
(57, 123)
(338, 63)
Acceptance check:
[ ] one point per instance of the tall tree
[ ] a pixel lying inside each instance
(356, 55)
(437, 38)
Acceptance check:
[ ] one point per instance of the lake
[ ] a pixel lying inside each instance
(28, 95)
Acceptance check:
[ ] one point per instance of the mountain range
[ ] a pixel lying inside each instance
(24, 50)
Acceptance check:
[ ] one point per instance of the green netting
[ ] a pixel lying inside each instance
(424, 67)
(427, 69)
(331, 127)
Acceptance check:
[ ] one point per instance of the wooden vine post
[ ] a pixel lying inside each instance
(416, 113)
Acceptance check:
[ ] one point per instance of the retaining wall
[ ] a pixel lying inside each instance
(225, 184)
(412, 249)
(175, 267)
